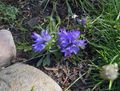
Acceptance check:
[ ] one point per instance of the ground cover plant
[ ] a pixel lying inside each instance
(7, 13)
(76, 42)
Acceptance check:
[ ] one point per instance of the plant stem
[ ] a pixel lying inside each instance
(110, 84)
(74, 82)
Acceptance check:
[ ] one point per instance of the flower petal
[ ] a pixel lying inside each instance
(37, 38)
(81, 43)
(74, 49)
(66, 52)
(38, 47)
(35, 35)
(75, 34)
(45, 35)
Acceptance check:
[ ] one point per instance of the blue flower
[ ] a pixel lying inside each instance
(83, 21)
(69, 42)
(40, 40)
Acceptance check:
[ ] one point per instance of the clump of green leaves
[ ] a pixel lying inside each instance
(8, 13)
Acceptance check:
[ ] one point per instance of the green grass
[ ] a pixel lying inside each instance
(105, 32)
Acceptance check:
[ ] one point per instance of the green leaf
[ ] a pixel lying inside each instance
(40, 61)
(46, 61)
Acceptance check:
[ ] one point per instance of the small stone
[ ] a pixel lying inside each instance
(109, 72)
(7, 48)
(21, 77)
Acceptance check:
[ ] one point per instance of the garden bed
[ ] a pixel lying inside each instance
(99, 25)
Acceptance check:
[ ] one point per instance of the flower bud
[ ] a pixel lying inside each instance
(109, 72)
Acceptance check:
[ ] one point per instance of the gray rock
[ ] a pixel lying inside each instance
(21, 77)
(7, 48)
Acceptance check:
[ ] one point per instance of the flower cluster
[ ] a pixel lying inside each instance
(69, 42)
(40, 40)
